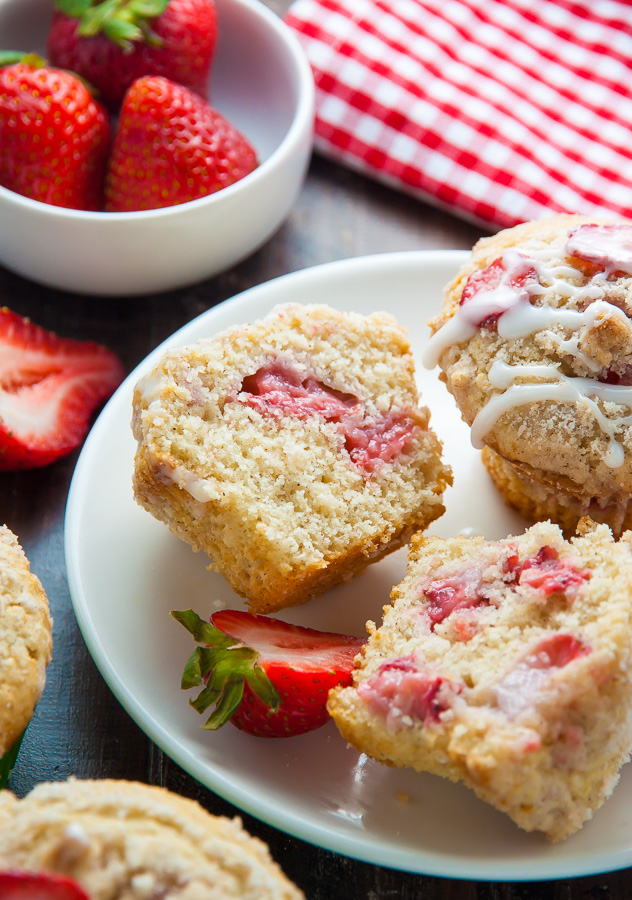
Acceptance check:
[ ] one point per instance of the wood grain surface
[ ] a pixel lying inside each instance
(79, 727)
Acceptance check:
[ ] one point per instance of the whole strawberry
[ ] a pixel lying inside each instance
(265, 676)
(49, 387)
(111, 43)
(171, 147)
(54, 137)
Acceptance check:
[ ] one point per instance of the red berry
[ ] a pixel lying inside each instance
(111, 45)
(54, 137)
(171, 147)
(39, 886)
(267, 677)
(49, 387)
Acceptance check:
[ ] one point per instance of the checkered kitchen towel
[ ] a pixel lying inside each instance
(498, 110)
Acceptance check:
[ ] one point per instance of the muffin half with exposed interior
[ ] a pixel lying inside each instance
(293, 450)
(505, 665)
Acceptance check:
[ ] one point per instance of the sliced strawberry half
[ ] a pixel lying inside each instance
(39, 886)
(267, 677)
(49, 387)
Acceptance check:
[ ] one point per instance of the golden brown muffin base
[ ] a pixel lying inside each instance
(538, 501)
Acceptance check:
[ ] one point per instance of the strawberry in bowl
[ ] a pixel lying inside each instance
(110, 44)
(171, 146)
(54, 136)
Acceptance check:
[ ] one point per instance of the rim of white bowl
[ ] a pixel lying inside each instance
(302, 121)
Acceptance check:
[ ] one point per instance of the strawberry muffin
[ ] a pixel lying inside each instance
(535, 343)
(292, 450)
(506, 665)
(106, 839)
(25, 646)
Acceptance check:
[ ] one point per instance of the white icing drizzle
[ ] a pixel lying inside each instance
(201, 489)
(150, 386)
(561, 389)
(518, 319)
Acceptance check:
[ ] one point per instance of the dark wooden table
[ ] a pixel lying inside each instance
(79, 727)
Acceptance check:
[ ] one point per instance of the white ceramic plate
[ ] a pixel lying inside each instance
(126, 572)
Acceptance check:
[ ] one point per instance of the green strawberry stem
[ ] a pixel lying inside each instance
(11, 57)
(7, 761)
(224, 665)
(122, 21)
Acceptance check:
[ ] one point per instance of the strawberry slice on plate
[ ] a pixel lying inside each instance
(267, 677)
(39, 886)
(49, 387)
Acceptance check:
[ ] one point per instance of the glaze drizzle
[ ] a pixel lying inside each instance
(508, 303)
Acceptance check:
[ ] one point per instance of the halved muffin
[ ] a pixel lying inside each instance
(506, 665)
(292, 450)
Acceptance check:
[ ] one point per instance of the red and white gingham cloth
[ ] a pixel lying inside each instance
(498, 110)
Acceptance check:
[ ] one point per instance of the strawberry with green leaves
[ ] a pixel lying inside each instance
(265, 676)
(111, 43)
(171, 147)
(54, 136)
(39, 886)
(49, 387)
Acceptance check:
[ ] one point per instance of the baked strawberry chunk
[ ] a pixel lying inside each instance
(555, 652)
(609, 246)
(547, 573)
(399, 688)
(277, 390)
(451, 594)
(611, 376)
(370, 445)
(521, 687)
(497, 288)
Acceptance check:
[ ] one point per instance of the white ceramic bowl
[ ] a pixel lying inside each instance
(262, 82)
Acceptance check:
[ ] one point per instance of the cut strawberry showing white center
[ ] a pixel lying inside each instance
(49, 387)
